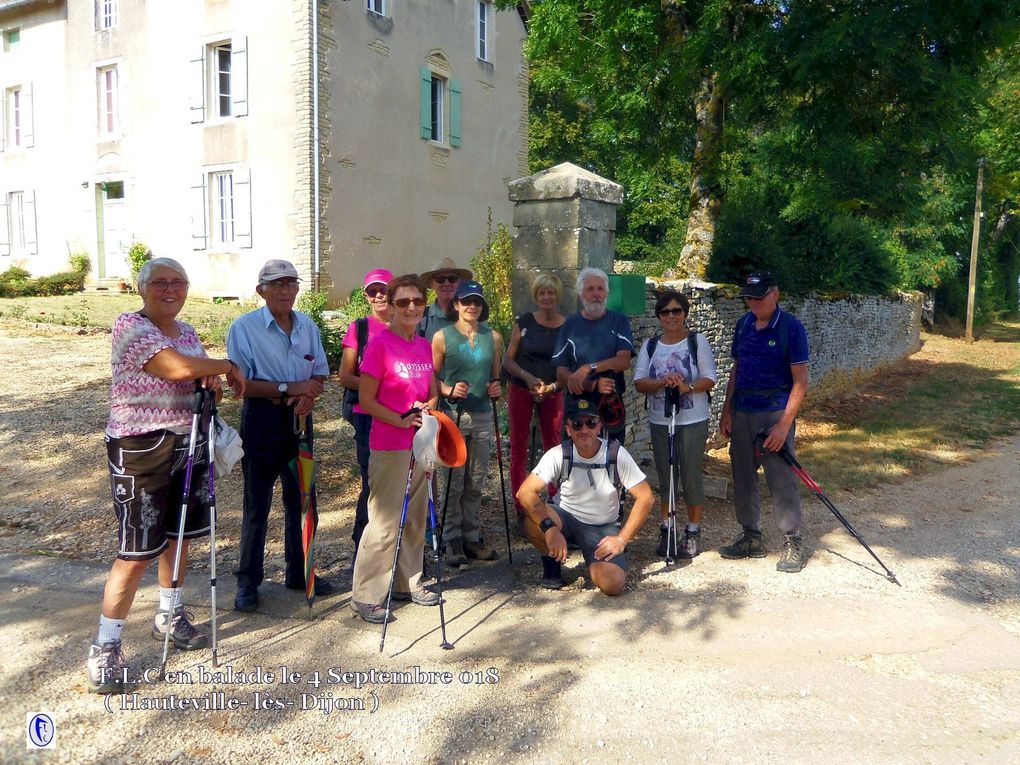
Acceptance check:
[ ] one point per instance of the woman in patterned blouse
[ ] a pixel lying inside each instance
(156, 361)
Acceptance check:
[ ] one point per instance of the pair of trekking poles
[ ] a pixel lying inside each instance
(438, 545)
(197, 408)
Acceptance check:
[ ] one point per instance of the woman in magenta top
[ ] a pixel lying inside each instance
(359, 332)
(396, 375)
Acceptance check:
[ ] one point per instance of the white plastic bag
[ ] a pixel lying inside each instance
(228, 447)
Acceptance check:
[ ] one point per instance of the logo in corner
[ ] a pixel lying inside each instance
(772, 343)
(40, 731)
(402, 371)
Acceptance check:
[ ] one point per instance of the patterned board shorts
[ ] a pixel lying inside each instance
(147, 481)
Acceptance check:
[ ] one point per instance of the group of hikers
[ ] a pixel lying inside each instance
(408, 358)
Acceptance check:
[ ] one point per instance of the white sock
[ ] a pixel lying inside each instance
(169, 598)
(109, 629)
(694, 528)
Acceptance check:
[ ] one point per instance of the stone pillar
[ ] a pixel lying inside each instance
(565, 218)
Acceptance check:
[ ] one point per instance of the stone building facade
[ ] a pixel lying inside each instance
(190, 126)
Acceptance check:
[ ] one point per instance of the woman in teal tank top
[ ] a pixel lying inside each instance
(467, 355)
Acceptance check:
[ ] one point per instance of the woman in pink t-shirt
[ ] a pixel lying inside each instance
(396, 375)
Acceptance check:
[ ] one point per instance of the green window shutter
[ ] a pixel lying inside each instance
(454, 112)
(425, 108)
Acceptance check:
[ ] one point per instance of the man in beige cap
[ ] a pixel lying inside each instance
(443, 279)
(280, 351)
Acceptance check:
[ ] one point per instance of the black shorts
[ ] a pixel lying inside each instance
(587, 537)
(147, 481)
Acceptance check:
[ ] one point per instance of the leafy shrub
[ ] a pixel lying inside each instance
(81, 263)
(492, 267)
(64, 283)
(138, 256)
(314, 304)
(16, 282)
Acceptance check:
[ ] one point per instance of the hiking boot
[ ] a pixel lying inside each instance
(689, 547)
(421, 597)
(370, 612)
(182, 632)
(105, 668)
(663, 541)
(552, 583)
(479, 551)
(247, 598)
(750, 544)
(455, 553)
(793, 556)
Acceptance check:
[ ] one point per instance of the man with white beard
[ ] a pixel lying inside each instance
(594, 349)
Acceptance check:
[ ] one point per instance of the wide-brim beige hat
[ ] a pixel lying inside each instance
(446, 266)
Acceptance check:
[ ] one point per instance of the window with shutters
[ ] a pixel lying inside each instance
(221, 213)
(18, 224)
(106, 14)
(439, 109)
(219, 81)
(15, 115)
(16, 127)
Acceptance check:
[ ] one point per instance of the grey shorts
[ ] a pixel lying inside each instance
(689, 442)
(587, 537)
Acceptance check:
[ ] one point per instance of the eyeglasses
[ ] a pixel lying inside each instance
(671, 311)
(176, 284)
(587, 422)
(446, 279)
(373, 292)
(472, 300)
(283, 284)
(405, 302)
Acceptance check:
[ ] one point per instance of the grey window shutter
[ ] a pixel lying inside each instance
(31, 230)
(242, 208)
(199, 235)
(239, 75)
(196, 87)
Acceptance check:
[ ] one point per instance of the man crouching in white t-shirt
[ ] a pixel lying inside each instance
(586, 510)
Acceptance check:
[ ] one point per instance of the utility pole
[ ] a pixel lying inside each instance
(975, 237)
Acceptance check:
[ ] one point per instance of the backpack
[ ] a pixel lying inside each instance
(692, 349)
(610, 465)
(350, 394)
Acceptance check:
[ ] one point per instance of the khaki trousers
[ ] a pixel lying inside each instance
(387, 477)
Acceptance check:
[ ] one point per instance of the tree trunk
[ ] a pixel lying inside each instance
(706, 191)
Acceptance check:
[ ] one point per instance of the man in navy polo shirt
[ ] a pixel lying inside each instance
(767, 384)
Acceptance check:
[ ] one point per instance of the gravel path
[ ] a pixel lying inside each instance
(716, 661)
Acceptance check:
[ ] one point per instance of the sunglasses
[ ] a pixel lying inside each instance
(446, 279)
(405, 302)
(472, 300)
(162, 284)
(671, 311)
(374, 292)
(586, 422)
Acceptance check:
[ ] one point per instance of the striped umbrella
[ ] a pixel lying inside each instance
(304, 468)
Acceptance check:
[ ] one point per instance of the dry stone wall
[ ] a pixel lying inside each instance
(848, 338)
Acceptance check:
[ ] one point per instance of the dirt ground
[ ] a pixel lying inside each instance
(716, 661)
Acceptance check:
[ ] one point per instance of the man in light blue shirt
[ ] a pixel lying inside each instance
(280, 351)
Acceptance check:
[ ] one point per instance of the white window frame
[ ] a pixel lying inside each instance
(16, 224)
(14, 117)
(108, 101)
(483, 30)
(18, 232)
(221, 196)
(106, 15)
(204, 80)
(10, 44)
(219, 221)
(217, 93)
(377, 7)
(16, 125)
(438, 108)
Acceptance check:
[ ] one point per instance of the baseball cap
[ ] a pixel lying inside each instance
(578, 406)
(278, 269)
(758, 284)
(378, 276)
(470, 287)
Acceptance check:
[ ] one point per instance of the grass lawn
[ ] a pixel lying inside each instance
(87, 310)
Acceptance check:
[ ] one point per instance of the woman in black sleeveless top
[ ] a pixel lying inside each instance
(528, 362)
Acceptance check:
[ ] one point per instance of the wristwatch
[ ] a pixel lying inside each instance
(282, 387)
(546, 524)
(593, 366)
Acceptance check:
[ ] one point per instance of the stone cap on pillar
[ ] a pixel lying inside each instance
(565, 181)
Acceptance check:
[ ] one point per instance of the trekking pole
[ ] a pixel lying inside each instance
(449, 480)
(531, 444)
(672, 543)
(502, 477)
(824, 498)
(396, 551)
(446, 645)
(196, 411)
(211, 445)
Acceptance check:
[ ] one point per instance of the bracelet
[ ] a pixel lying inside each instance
(233, 366)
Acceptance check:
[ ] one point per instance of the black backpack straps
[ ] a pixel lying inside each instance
(653, 343)
(568, 460)
(361, 329)
(612, 463)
